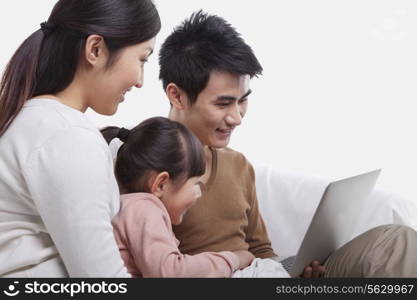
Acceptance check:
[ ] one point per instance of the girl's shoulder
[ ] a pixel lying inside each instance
(141, 208)
(142, 203)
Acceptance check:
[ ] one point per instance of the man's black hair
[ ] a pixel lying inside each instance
(202, 44)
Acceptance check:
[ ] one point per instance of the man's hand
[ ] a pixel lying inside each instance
(314, 270)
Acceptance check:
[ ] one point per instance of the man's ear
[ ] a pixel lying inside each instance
(176, 96)
(159, 184)
(96, 52)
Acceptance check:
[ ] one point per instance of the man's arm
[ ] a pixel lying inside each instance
(257, 235)
(256, 232)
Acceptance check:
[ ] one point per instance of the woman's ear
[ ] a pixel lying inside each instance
(96, 52)
(159, 184)
(176, 96)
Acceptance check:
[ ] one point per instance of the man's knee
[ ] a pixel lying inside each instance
(391, 231)
(381, 251)
(396, 231)
(393, 252)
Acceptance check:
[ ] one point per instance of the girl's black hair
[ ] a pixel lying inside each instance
(157, 144)
(47, 60)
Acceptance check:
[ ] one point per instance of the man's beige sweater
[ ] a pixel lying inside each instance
(227, 216)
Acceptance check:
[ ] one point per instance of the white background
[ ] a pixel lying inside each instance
(338, 92)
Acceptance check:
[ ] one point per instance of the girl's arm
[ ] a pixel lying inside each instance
(154, 248)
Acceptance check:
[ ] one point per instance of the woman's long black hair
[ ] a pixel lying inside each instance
(47, 60)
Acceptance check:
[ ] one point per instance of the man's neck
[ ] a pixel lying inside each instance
(174, 116)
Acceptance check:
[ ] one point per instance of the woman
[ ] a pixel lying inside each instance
(57, 188)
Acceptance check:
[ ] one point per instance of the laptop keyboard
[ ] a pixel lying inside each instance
(288, 262)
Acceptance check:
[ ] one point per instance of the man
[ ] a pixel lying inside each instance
(205, 68)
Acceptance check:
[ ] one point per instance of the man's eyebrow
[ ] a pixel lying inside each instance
(231, 98)
(246, 95)
(150, 51)
(225, 97)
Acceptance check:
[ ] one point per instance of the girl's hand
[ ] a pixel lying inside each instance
(245, 258)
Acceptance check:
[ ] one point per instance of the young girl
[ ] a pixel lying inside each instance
(57, 188)
(158, 169)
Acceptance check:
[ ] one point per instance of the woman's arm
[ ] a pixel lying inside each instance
(71, 181)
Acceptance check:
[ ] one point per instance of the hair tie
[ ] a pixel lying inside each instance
(123, 134)
(47, 27)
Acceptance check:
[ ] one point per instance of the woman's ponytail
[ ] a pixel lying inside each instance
(19, 79)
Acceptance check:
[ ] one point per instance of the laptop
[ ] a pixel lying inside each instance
(333, 222)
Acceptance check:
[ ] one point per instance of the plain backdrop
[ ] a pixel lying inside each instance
(338, 92)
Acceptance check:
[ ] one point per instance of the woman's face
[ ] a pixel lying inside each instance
(111, 84)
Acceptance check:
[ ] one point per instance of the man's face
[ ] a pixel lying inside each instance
(219, 108)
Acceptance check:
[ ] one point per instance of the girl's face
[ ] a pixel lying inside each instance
(110, 85)
(178, 200)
